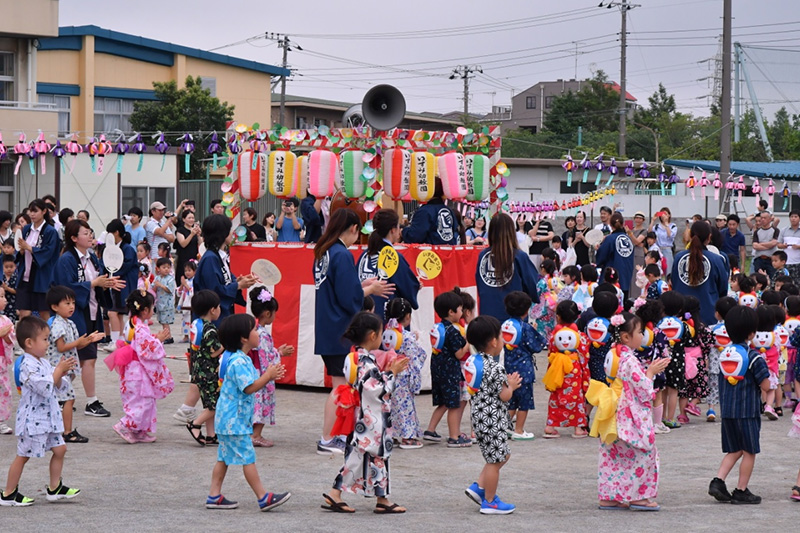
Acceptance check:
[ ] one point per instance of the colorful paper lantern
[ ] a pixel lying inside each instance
(453, 173)
(252, 173)
(323, 166)
(300, 179)
(280, 172)
(478, 178)
(351, 178)
(423, 173)
(396, 172)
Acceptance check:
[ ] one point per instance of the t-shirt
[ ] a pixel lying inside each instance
(152, 238)
(63, 328)
(731, 243)
(743, 400)
(791, 236)
(287, 233)
(605, 228)
(137, 235)
(765, 235)
(259, 232)
(662, 240)
(544, 228)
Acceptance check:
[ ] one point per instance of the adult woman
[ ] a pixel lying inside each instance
(578, 241)
(665, 232)
(385, 233)
(476, 235)
(269, 226)
(637, 235)
(128, 272)
(339, 296)
(5, 226)
(616, 251)
(23, 218)
(523, 241)
(214, 270)
(38, 253)
(79, 269)
(569, 222)
(700, 272)
(255, 231)
(503, 268)
(187, 243)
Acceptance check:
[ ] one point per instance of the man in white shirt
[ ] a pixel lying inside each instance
(159, 228)
(765, 243)
(789, 241)
(605, 217)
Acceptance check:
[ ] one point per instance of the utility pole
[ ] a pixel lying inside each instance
(283, 42)
(465, 72)
(725, 112)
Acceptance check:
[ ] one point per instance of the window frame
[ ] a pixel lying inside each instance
(530, 100)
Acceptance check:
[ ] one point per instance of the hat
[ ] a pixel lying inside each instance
(639, 214)
(157, 205)
(721, 217)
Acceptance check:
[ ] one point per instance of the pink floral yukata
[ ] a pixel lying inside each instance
(265, 398)
(628, 468)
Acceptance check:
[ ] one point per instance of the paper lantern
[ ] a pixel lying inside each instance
(396, 172)
(252, 178)
(478, 180)
(453, 173)
(423, 173)
(351, 167)
(323, 166)
(300, 179)
(280, 172)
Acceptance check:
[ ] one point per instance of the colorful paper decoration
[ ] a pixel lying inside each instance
(162, 146)
(770, 195)
(599, 166)
(396, 172)
(252, 174)
(140, 148)
(586, 165)
(453, 174)
(691, 182)
(717, 184)
(280, 171)
(20, 149)
(703, 183)
(612, 171)
(323, 167)
(58, 152)
(32, 153)
(423, 172)
(569, 166)
(187, 145)
(74, 147)
(214, 149)
(478, 177)
(3, 149)
(351, 174)
(740, 187)
(785, 193)
(629, 170)
(42, 147)
(121, 149)
(300, 179)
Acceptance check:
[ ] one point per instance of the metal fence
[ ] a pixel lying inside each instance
(204, 191)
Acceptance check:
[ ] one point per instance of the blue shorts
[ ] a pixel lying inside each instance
(522, 398)
(446, 381)
(236, 450)
(741, 435)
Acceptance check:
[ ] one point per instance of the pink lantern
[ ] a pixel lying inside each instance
(280, 172)
(453, 173)
(252, 173)
(323, 167)
(396, 172)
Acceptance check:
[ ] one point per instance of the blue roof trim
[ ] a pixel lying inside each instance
(152, 44)
(63, 89)
(132, 51)
(70, 42)
(778, 169)
(125, 94)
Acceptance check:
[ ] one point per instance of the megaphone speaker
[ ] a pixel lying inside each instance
(383, 107)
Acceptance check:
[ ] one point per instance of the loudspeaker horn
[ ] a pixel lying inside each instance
(353, 117)
(383, 107)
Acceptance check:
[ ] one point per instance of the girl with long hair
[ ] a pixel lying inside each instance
(38, 253)
(128, 272)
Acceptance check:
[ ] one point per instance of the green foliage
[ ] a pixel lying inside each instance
(594, 108)
(188, 110)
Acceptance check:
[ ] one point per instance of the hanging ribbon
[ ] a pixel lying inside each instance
(612, 171)
(59, 153)
(717, 185)
(703, 183)
(691, 182)
(756, 190)
(569, 166)
(599, 167)
(140, 148)
(20, 149)
(214, 148)
(74, 148)
(674, 180)
(121, 149)
(586, 165)
(32, 153)
(785, 193)
(42, 147)
(162, 147)
(187, 145)
(234, 147)
(771, 195)
(662, 178)
(92, 149)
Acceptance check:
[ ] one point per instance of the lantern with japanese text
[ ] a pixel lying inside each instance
(396, 172)
(453, 173)
(323, 167)
(280, 172)
(478, 179)
(423, 173)
(351, 178)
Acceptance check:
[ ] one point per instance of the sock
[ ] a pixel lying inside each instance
(658, 412)
(186, 408)
(91, 400)
(323, 440)
(114, 337)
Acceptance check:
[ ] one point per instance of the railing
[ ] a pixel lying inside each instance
(34, 106)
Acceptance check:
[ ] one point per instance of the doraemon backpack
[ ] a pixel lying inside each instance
(672, 328)
(437, 337)
(648, 336)
(763, 341)
(473, 372)
(611, 364)
(392, 336)
(748, 299)
(781, 336)
(734, 362)
(721, 339)
(196, 334)
(597, 331)
(511, 331)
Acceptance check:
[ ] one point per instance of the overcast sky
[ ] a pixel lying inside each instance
(668, 42)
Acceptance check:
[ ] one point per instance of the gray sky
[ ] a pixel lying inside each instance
(668, 40)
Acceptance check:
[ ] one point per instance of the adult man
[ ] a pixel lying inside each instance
(722, 222)
(159, 228)
(311, 211)
(733, 243)
(541, 234)
(762, 206)
(605, 217)
(765, 243)
(217, 208)
(288, 224)
(789, 241)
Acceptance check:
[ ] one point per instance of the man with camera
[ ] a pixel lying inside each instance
(160, 228)
(288, 224)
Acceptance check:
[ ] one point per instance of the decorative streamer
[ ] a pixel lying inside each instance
(3, 149)
(59, 153)
(162, 147)
(599, 167)
(92, 149)
(756, 190)
(187, 145)
(214, 149)
(569, 166)
(32, 153)
(785, 193)
(717, 183)
(101, 147)
(612, 171)
(121, 148)
(691, 183)
(234, 147)
(629, 170)
(74, 148)
(662, 178)
(674, 180)
(42, 147)
(20, 149)
(771, 195)
(259, 144)
(140, 148)
(586, 165)
(703, 183)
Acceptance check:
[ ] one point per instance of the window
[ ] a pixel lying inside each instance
(60, 103)
(210, 84)
(7, 186)
(577, 185)
(7, 77)
(530, 102)
(320, 122)
(548, 101)
(531, 129)
(142, 197)
(112, 114)
(301, 123)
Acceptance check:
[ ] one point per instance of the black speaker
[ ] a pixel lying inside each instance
(383, 107)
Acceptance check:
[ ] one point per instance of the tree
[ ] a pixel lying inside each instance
(188, 110)
(594, 108)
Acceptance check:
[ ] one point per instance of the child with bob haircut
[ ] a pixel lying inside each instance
(490, 413)
(233, 419)
(204, 352)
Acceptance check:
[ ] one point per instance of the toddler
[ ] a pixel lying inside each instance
(697, 345)
(548, 286)
(7, 339)
(10, 287)
(654, 346)
(584, 294)
(185, 293)
(164, 285)
(204, 352)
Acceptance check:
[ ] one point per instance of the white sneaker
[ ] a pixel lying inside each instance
(184, 417)
(523, 436)
(661, 429)
(108, 347)
(4, 429)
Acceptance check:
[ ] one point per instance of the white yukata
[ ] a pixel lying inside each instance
(64, 328)
(39, 425)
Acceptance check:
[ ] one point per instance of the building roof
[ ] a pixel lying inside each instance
(320, 103)
(144, 49)
(778, 169)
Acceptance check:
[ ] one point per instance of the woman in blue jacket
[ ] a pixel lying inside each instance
(616, 251)
(386, 232)
(503, 268)
(38, 252)
(214, 270)
(434, 222)
(79, 269)
(339, 296)
(128, 272)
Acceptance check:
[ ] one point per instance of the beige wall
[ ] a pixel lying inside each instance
(58, 66)
(18, 119)
(115, 71)
(35, 18)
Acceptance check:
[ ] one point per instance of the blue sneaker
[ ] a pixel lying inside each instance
(711, 416)
(475, 493)
(220, 502)
(496, 506)
(273, 499)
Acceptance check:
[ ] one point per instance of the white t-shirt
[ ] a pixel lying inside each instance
(791, 236)
(153, 239)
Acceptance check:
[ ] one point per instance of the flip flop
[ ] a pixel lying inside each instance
(551, 435)
(382, 508)
(635, 507)
(336, 507)
(580, 436)
(198, 437)
(795, 497)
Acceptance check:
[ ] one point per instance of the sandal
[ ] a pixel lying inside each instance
(260, 442)
(211, 440)
(73, 437)
(198, 437)
(392, 508)
(336, 507)
(555, 435)
(410, 444)
(795, 493)
(779, 411)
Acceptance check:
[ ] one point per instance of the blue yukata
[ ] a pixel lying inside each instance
(45, 253)
(69, 272)
(658, 349)
(233, 419)
(597, 360)
(165, 299)
(714, 282)
(432, 223)
(406, 284)
(616, 251)
(656, 289)
(214, 274)
(521, 360)
(446, 374)
(492, 291)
